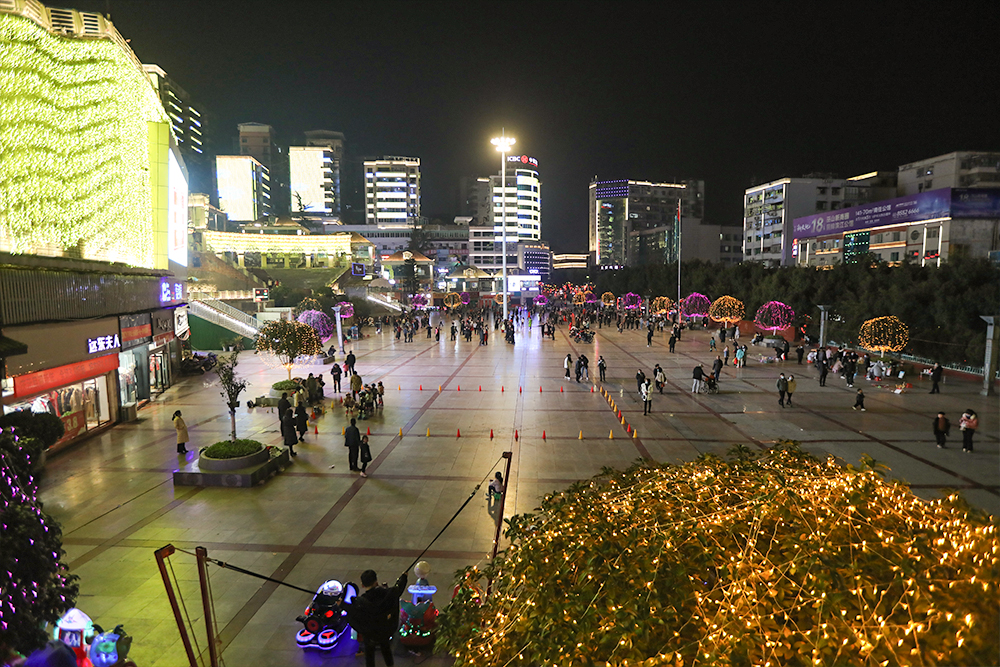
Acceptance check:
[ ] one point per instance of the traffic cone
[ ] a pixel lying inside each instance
(439, 388)
(501, 389)
(421, 387)
(369, 431)
(543, 435)
(592, 390)
(628, 428)
(458, 433)
(428, 431)
(611, 435)
(343, 430)
(539, 390)
(515, 434)
(315, 429)
(560, 390)
(623, 420)
(580, 437)
(519, 390)
(400, 432)
(491, 434)
(480, 387)
(635, 433)
(460, 387)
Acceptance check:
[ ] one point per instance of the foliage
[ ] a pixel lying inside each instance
(307, 304)
(727, 309)
(941, 305)
(774, 315)
(288, 342)
(420, 241)
(774, 558)
(285, 385)
(232, 449)
(695, 304)
(884, 334)
(22, 455)
(319, 321)
(43, 426)
(232, 385)
(662, 305)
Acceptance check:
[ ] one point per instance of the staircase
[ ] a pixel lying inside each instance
(225, 316)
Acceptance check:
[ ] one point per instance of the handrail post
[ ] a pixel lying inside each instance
(206, 604)
(161, 555)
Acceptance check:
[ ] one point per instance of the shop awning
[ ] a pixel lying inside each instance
(11, 348)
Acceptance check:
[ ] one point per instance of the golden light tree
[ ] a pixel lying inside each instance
(452, 300)
(662, 305)
(288, 342)
(608, 299)
(727, 309)
(772, 559)
(884, 334)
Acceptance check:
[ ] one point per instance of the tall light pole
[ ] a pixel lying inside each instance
(503, 144)
(678, 262)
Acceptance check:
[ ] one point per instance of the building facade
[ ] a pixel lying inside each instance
(392, 191)
(514, 209)
(258, 140)
(244, 188)
(928, 227)
(190, 126)
(960, 169)
(314, 175)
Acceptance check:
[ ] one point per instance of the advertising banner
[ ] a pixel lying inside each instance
(975, 203)
(913, 208)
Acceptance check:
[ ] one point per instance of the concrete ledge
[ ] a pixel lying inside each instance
(193, 475)
(225, 465)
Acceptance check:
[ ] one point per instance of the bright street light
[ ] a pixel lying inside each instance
(503, 144)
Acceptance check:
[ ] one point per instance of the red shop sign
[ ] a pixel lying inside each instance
(30, 384)
(136, 332)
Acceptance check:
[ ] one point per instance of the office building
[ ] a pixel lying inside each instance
(392, 190)
(244, 188)
(203, 215)
(189, 125)
(314, 175)
(258, 141)
(927, 227)
(961, 169)
(635, 222)
(523, 223)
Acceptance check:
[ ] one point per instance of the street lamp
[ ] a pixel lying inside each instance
(503, 144)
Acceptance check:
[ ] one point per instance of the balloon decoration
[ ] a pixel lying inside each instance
(346, 310)
(465, 297)
(775, 315)
(884, 334)
(608, 299)
(662, 305)
(631, 301)
(727, 309)
(695, 305)
(418, 301)
(452, 300)
(319, 321)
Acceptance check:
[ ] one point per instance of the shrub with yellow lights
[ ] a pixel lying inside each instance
(288, 342)
(777, 559)
(608, 299)
(662, 305)
(884, 334)
(727, 309)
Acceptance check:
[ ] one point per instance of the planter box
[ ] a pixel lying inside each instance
(206, 463)
(275, 460)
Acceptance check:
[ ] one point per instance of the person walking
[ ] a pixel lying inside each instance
(823, 371)
(800, 352)
(649, 335)
(366, 455)
(356, 385)
(182, 432)
(936, 374)
(352, 440)
(792, 385)
(711, 344)
(640, 379)
(968, 425)
(335, 374)
(375, 615)
(859, 400)
(301, 421)
(717, 367)
(696, 376)
(349, 362)
(568, 364)
(602, 366)
(671, 342)
(941, 427)
(782, 385)
(288, 431)
(659, 377)
(647, 398)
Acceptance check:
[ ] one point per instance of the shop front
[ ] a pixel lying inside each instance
(133, 361)
(160, 351)
(70, 370)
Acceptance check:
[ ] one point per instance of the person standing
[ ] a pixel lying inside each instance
(647, 398)
(182, 433)
(366, 455)
(968, 424)
(659, 377)
(711, 344)
(288, 431)
(850, 369)
(352, 440)
(936, 374)
(311, 388)
(585, 367)
(672, 341)
(782, 386)
(823, 370)
(741, 354)
(792, 385)
(356, 385)
(717, 367)
(283, 404)
(696, 376)
(602, 366)
(301, 421)
(375, 615)
(349, 361)
(578, 367)
(640, 379)
(335, 374)
(725, 355)
(941, 427)
(649, 335)
(859, 400)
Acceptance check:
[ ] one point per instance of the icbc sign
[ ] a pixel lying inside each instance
(523, 159)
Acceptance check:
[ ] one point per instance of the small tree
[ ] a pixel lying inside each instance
(232, 386)
(319, 321)
(288, 341)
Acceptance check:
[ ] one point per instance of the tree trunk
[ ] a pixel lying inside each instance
(232, 420)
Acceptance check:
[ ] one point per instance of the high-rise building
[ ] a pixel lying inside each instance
(961, 169)
(189, 125)
(519, 199)
(244, 188)
(315, 174)
(392, 190)
(635, 222)
(258, 141)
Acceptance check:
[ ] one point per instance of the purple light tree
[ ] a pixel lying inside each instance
(319, 321)
(631, 301)
(774, 315)
(695, 305)
(346, 310)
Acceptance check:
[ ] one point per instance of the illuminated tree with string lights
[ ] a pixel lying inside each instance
(288, 342)
(774, 315)
(884, 334)
(307, 303)
(662, 305)
(727, 309)
(774, 558)
(608, 299)
(319, 321)
(540, 300)
(631, 301)
(695, 305)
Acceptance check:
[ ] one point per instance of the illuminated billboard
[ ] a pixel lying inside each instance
(177, 212)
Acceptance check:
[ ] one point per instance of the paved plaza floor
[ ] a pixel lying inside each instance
(116, 501)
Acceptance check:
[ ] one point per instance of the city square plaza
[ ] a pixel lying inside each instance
(459, 406)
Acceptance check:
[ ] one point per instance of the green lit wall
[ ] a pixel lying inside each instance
(75, 147)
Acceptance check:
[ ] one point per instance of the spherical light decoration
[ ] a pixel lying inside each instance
(452, 300)
(695, 305)
(307, 303)
(346, 310)
(289, 343)
(727, 309)
(579, 299)
(775, 315)
(662, 305)
(631, 301)
(540, 300)
(608, 299)
(319, 321)
(418, 301)
(465, 297)
(884, 334)
(773, 558)
(589, 297)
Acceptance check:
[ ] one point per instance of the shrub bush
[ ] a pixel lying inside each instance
(285, 385)
(43, 426)
(233, 449)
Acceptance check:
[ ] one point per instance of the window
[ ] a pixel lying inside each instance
(894, 257)
(834, 191)
(821, 206)
(896, 236)
(933, 232)
(821, 191)
(834, 205)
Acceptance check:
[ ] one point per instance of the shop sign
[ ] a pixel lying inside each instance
(103, 344)
(181, 321)
(163, 327)
(171, 290)
(31, 384)
(73, 423)
(136, 330)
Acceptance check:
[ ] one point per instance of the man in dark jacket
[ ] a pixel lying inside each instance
(375, 615)
(349, 361)
(352, 440)
(283, 406)
(936, 374)
(941, 429)
(717, 367)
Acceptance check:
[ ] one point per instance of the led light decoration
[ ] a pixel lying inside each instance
(772, 559)
(452, 300)
(307, 303)
(288, 342)
(608, 299)
(775, 315)
(465, 297)
(589, 297)
(579, 299)
(346, 310)
(319, 321)
(695, 305)
(76, 148)
(418, 301)
(631, 301)
(540, 300)
(662, 305)
(727, 309)
(884, 334)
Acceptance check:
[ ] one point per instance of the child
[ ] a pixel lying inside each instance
(859, 402)
(711, 344)
(366, 455)
(381, 393)
(496, 487)
(349, 403)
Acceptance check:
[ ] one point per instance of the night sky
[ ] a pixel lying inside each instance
(735, 93)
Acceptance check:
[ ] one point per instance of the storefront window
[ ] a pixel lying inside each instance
(158, 372)
(127, 378)
(80, 406)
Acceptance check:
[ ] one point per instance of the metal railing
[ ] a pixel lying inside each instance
(195, 294)
(239, 325)
(391, 305)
